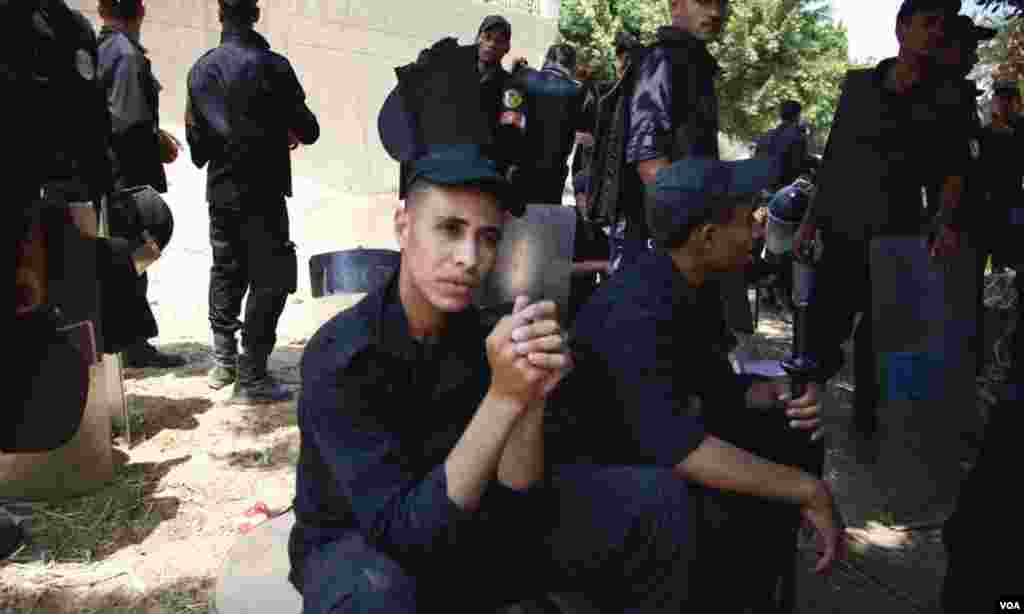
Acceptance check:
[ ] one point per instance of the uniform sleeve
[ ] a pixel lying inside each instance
(819, 208)
(639, 350)
(126, 97)
(201, 136)
(85, 174)
(399, 511)
(302, 122)
(649, 133)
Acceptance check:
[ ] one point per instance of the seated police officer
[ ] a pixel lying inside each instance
(422, 470)
(653, 387)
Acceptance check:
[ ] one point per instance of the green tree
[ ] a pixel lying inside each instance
(771, 50)
(1003, 56)
(775, 50)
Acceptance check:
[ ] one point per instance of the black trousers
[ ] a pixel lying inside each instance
(986, 522)
(634, 539)
(544, 186)
(251, 254)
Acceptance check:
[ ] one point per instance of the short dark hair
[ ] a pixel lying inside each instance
(714, 215)
(121, 9)
(910, 7)
(624, 42)
(562, 54)
(790, 110)
(241, 14)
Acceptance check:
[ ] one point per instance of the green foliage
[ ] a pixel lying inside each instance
(775, 50)
(1003, 56)
(772, 50)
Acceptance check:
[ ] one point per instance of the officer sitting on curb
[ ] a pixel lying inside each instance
(653, 391)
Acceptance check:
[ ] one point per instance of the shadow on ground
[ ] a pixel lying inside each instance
(90, 528)
(184, 596)
(284, 452)
(283, 363)
(150, 414)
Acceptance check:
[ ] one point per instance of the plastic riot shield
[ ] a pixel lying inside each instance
(923, 321)
(353, 271)
(535, 259)
(339, 279)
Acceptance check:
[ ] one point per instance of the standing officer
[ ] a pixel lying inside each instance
(501, 102)
(898, 128)
(554, 107)
(788, 142)
(136, 147)
(246, 110)
(958, 57)
(673, 114)
(66, 165)
(982, 516)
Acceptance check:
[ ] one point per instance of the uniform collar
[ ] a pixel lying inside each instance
(245, 36)
(931, 81)
(671, 35)
(389, 326)
(556, 69)
(111, 29)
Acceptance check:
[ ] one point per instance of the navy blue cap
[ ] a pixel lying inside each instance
(465, 165)
(691, 190)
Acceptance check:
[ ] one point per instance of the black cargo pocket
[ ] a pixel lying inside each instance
(288, 261)
(276, 269)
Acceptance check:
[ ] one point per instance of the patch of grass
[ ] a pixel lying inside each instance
(87, 529)
(885, 517)
(136, 419)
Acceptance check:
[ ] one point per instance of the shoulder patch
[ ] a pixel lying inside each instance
(85, 65)
(513, 99)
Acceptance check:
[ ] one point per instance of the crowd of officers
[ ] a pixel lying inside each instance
(424, 469)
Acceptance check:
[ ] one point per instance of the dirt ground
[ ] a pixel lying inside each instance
(153, 540)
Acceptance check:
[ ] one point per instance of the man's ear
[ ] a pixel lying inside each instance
(403, 225)
(705, 234)
(256, 14)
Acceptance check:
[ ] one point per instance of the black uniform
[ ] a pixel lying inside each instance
(133, 97)
(554, 112)
(242, 101)
(862, 194)
(983, 516)
(435, 91)
(788, 141)
(673, 110)
(67, 163)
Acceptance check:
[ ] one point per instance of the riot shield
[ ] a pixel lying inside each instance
(535, 259)
(923, 322)
(353, 271)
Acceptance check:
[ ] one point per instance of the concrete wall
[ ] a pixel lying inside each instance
(344, 52)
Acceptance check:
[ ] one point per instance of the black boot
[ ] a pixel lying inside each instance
(11, 536)
(225, 362)
(142, 355)
(254, 384)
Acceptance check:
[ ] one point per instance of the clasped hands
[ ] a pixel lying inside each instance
(528, 353)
